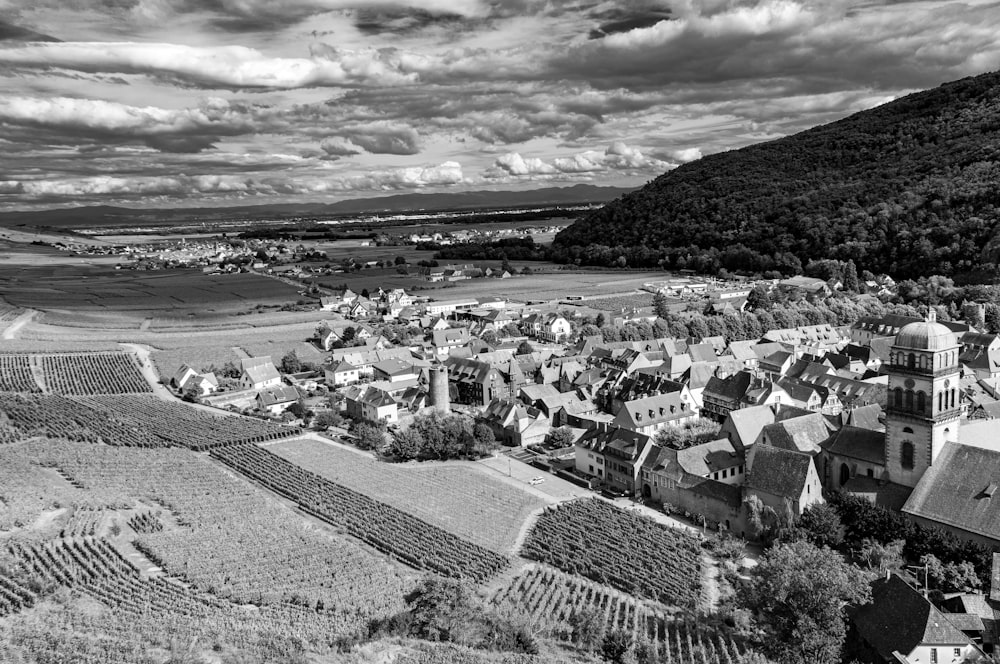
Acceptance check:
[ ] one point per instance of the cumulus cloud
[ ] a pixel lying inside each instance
(616, 157)
(236, 67)
(169, 130)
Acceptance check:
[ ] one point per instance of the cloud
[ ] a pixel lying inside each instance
(337, 146)
(616, 157)
(79, 120)
(235, 67)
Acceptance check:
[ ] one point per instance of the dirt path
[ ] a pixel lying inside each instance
(709, 585)
(526, 527)
(14, 328)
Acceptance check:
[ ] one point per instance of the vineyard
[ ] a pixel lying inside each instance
(392, 531)
(624, 550)
(16, 374)
(138, 612)
(224, 536)
(619, 302)
(128, 421)
(459, 500)
(548, 598)
(74, 373)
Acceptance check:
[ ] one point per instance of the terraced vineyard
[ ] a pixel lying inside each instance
(139, 612)
(388, 529)
(463, 501)
(548, 598)
(624, 550)
(226, 536)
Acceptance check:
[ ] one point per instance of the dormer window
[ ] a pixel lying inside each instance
(638, 417)
(990, 489)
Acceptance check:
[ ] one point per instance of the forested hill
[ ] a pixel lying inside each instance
(911, 188)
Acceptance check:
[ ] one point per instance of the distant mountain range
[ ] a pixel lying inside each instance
(105, 216)
(911, 188)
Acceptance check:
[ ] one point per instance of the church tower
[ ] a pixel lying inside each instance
(924, 400)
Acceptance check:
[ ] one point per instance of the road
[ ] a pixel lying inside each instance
(19, 322)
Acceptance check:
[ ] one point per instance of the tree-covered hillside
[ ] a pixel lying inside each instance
(910, 188)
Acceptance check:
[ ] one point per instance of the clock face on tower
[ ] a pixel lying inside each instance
(947, 383)
(909, 383)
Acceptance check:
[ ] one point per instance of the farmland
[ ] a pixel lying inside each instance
(626, 551)
(217, 520)
(388, 529)
(92, 373)
(457, 499)
(617, 303)
(139, 611)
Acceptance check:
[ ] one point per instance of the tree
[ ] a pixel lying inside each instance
(505, 265)
(615, 646)
(290, 363)
(490, 337)
(688, 434)
(821, 525)
(348, 334)
(992, 318)
(588, 626)
(405, 444)
(660, 305)
(797, 596)
(364, 293)
(882, 557)
(440, 610)
(328, 418)
(600, 320)
(369, 437)
(524, 348)
(484, 437)
(559, 438)
(511, 330)
(400, 260)
(758, 299)
(850, 281)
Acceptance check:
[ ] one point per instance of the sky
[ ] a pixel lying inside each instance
(169, 103)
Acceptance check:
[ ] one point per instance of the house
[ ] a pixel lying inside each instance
(276, 400)
(331, 333)
(183, 373)
(867, 328)
(364, 402)
(807, 286)
(981, 354)
(784, 480)
(684, 482)
(722, 395)
(337, 299)
(899, 625)
(364, 359)
(613, 455)
(395, 370)
(514, 423)
(650, 414)
(446, 307)
(805, 434)
(547, 327)
(199, 384)
(474, 382)
(446, 340)
(258, 373)
(742, 427)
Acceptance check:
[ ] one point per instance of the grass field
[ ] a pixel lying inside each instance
(461, 500)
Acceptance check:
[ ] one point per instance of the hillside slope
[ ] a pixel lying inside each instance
(911, 187)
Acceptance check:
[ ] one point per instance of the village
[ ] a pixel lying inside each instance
(738, 436)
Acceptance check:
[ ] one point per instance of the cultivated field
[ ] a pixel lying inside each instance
(76, 373)
(117, 614)
(223, 535)
(109, 296)
(392, 531)
(624, 550)
(463, 501)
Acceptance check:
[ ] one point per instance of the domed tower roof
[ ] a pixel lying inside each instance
(926, 335)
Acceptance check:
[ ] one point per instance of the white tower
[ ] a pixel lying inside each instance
(924, 401)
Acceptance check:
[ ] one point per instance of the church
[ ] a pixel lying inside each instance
(928, 464)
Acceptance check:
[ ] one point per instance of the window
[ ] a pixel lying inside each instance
(934, 658)
(591, 470)
(870, 472)
(958, 652)
(921, 401)
(906, 455)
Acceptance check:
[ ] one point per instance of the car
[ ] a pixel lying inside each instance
(611, 492)
(536, 480)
